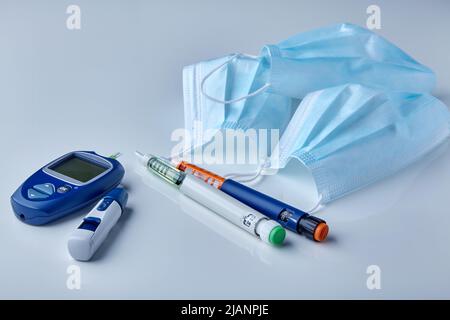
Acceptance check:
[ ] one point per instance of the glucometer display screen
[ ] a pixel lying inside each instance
(78, 169)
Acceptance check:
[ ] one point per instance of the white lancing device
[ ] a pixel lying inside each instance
(229, 208)
(96, 225)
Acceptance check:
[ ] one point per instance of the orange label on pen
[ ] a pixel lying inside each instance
(207, 176)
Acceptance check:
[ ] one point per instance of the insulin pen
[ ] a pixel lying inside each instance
(229, 208)
(289, 217)
(95, 227)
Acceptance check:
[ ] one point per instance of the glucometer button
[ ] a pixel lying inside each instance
(46, 188)
(64, 189)
(36, 195)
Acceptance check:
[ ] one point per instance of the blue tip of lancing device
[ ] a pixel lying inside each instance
(120, 195)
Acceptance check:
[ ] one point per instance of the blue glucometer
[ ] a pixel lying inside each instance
(65, 185)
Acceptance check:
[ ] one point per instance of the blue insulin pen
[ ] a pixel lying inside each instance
(289, 217)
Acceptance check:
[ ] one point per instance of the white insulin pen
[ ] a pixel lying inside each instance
(95, 227)
(229, 208)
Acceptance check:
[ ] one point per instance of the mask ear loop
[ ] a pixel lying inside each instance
(249, 178)
(317, 206)
(252, 94)
(244, 177)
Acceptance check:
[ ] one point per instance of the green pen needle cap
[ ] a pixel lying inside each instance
(277, 235)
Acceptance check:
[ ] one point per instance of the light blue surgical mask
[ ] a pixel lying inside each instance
(213, 92)
(196, 106)
(242, 91)
(341, 54)
(350, 136)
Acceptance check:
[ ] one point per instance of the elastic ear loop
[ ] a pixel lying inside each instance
(317, 206)
(252, 94)
(251, 178)
(244, 177)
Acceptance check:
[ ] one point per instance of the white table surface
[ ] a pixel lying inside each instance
(115, 85)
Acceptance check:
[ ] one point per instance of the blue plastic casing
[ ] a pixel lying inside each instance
(68, 195)
(118, 195)
(285, 214)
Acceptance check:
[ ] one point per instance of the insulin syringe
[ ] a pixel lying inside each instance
(288, 216)
(229, 208)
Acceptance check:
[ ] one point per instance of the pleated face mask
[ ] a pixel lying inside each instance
(213, 92)
(338, 55)
(234, 91)
(350, 136)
